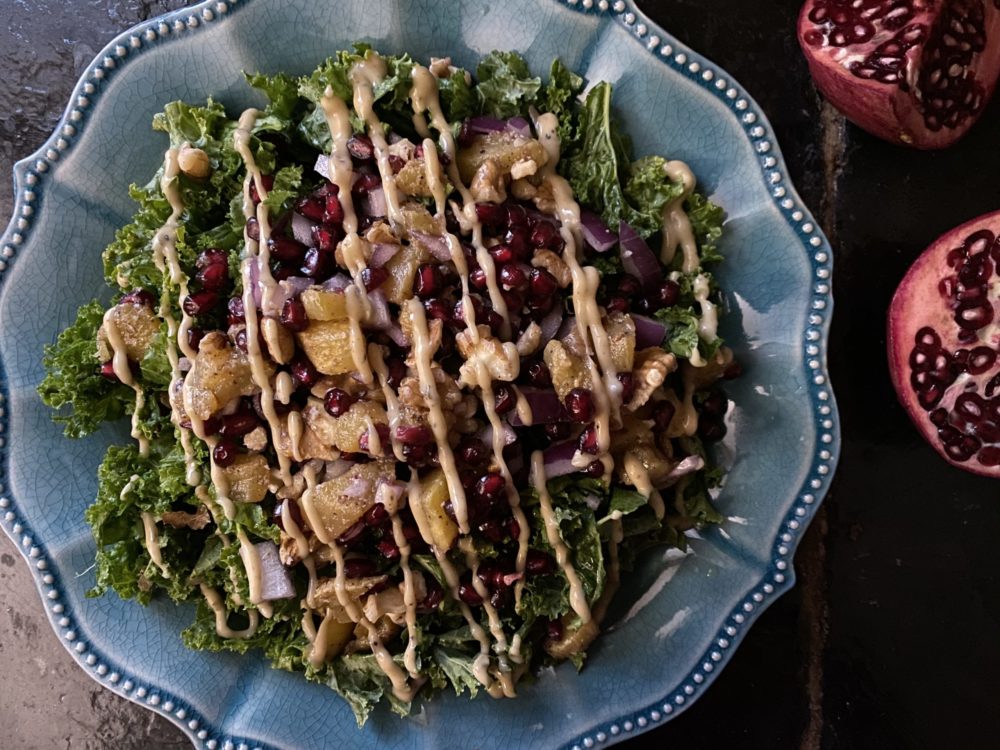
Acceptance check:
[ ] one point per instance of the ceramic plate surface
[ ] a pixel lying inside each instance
(676, 624)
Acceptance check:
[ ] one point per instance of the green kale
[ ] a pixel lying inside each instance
(506, 87)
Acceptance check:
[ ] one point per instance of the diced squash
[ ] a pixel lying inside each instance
(385, 629)
(136, 324)
(337, 635)
(324, 304)
(327, 343)
(324, 596)
(506, 148)
(219, 374)
(344, 432)
(621, 339)
(248, 478)
(336, 505)
(412, 179)
(402, 268)
(436, 526)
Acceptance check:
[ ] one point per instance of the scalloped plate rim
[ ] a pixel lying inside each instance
(29, 176)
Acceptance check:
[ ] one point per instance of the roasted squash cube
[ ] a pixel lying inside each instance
(327, 343)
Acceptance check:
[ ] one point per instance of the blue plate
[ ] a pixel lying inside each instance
(678, 622)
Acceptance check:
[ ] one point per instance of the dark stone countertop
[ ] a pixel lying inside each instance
(890, 638)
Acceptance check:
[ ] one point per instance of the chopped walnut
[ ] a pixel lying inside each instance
(568, 370)
(555, 265)
(523, 189)
(404, 148)
(256, 440)
(464, 224)
(440, 67)
(488, 184)
(499, 359)
(544, 199)
(529, 340)
(651, 370)
(180, 519)
(523, 168)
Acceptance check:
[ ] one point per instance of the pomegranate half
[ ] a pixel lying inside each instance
(917, 72)
(943, 339)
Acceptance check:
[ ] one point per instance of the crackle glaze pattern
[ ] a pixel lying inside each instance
(661, 651)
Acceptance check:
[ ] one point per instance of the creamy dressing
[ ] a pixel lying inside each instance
(251, 563)
(218, 605)
(676, 224)
(708, 325)
(123, 371)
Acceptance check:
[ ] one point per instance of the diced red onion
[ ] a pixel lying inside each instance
(374, 203)
(275, 581)
(336, 468)
(596, 233)
(380, 319)
(302, 229)
(546, 408)
(559, 459)
(638, 259)
(648, 332)
(485, 124)
(688, 465)
(435, 245)
(399, 338)
(322, 165)
(486, 434)
(391, 490)
(337, 283)
(359, 487)
(382, 253)
(551, 324)
(519, 125)
(254, 264)
(285, 289)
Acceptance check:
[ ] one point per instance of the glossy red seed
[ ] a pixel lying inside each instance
(376, 516)
(278, 515)
(108, 371)
(397, 371)
(325, 238)
(543, 284)
(629, 286)
(211, 257)
(303, 372)
(333, 212)
(539, 562)
(337, 402)
(194, 337)
(588, 440)
(361, 147)
(238, 424)
(437, 309)
(468, 594)
(428, 281)
(353, 535)
(628, 386)
(224, 453)
(373, 278)
(554, 630)
(668, 294)
(473, 451)
(293, 315)
(318, 264)
(286, 249)
(139, 297)
(235, 313)
(493, 531)
(618, 304)
(253, 229)
(490, 486)
(557, 431)
(365, 183)
(538, 374)
(213, 277)
(415, 434)
(477, 278)
(211, 426)
(501, 253)
(512, 276)
(310, 207)
(513, 528)
(516, 216)
(543, 233)
(359, 567)
(580, 404)
(388, 549)
(595, 469)
(267, 182)
(200, 303)
(491, 215)
(504, 398)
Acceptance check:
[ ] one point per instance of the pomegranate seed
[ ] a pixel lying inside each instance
(711, 430)
(194, 337)
(200, 303)
(266, 181)
(138, 297)
(437, 309)
(318, 264)
(373, 278)
(473, 451)
(435, 595)
(388, 549)
(293, 315)
(428, 281)
(238, 424)
(715, 404)
(517, 241)
(514, 528)
(310, 207)
(359, 567)
(538, 374)
(214, 256)
(501, 598)
(397, 371)
(468, 594)
(493, 531)
(628, 386)
(491, 215)
(282, 271)
(557, 431)
(376, 516)
(543, 284)
(580, 404)
(618, 304)
(303, 372)
(361, 147)
(595, 469)
(588, 440)
(542, 234)
(382, 431)
(213, 277)
(286, 249)
(224, 453)
(477, 277)
(210, 426)
(490, 486)
(353, 535)
(513, 277)
(539, 563)
(396, 163)
(668, 294)
(235, 313)
(629, 286)
(365, 183)
(663, 415)
(417, 434)
(325, 238)
(338, 402)
(501, 253)
(334, 212)
(108, 371)
(253, 229)
(278, 516)
(504, 398)
(516, 216)
(554, 630)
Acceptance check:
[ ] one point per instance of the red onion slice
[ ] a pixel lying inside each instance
(374, 202)
(518, 125)
(399, 338)
(322, 165)
(638, 259)
(434, 244)
(380, 318)
(546, 408)
(382, 253)
(485, 124)
(559, 459)
(648, 332)
(302, 229)
(275, 581)
(337, 283)
(596, 233)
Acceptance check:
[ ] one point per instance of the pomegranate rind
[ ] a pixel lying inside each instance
(886, 110)
(918, 303)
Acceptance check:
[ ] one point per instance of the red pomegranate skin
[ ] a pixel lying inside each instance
(943, 340)
(913, 72)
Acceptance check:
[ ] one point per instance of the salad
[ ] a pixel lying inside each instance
(408, 386)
